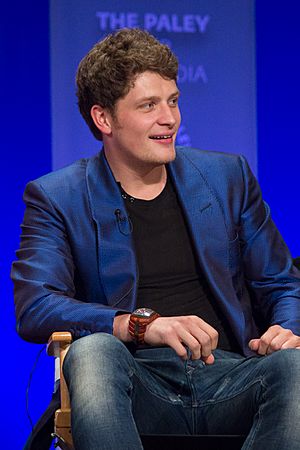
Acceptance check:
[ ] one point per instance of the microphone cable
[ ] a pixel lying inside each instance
(29, 385)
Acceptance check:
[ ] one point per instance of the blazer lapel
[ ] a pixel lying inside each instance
(206, 221)
(116, 259)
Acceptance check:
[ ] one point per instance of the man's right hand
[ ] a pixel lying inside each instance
(184, 332)
(180, 333)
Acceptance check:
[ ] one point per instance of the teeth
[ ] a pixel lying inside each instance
(166, 136)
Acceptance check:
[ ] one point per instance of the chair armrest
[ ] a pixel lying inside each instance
(58, 346)
(58, 342)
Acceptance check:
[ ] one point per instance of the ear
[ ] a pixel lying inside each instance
(101, 118)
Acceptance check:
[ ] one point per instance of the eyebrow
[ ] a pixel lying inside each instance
(154, 97)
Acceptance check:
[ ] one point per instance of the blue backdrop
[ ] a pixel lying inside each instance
(26, 154)
(215, 43)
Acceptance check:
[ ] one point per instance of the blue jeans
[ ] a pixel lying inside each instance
(117, 394)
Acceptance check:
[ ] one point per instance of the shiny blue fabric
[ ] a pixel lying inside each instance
(76, 265)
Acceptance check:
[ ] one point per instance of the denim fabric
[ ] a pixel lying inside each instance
(117, 394)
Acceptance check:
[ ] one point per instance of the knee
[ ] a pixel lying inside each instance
(287, 357)
(96, 350)
(285, 366)
(94, 343)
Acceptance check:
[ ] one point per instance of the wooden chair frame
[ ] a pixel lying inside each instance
(58, 346)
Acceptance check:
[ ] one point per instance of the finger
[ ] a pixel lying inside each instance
(205, 334)
(267, 338)
(205, 341)
(254, 344)
(197, 335)
(293, 342)
(179, 348)
(199, 345)
(262, 348)
(180, 340)
(194, 345)
(211, 332)
(209, 359)
(285, 337)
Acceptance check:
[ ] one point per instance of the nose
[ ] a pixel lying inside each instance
(168, 115)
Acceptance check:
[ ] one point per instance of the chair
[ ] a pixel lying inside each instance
(58, 346)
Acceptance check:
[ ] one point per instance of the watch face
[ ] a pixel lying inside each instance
(144, 312)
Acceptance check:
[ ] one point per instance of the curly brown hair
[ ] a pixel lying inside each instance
(109, 70)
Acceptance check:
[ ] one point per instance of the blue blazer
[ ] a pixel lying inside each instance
(76, 264)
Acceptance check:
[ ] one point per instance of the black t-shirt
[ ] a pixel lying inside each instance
(170, 279)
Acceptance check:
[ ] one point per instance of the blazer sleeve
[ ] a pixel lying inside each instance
(273, 280)
(43, 277)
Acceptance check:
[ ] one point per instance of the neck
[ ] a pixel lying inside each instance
(144, 183)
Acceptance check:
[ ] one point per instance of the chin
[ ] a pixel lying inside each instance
(171, 156)
(168, 157)
(161, 161)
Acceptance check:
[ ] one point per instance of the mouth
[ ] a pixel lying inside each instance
(162, 137)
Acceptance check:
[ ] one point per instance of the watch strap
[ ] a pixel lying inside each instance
(138, 326)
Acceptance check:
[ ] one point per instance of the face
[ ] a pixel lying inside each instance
(144, 126)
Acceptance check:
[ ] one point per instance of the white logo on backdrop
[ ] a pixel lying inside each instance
(172, 23)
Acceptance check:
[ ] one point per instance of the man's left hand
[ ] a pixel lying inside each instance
(274, 339)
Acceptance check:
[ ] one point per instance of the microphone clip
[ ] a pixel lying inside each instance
(124, 224)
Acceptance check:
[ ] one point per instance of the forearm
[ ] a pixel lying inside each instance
(120, 327)
(61, 313)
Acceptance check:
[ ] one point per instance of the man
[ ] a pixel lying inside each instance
(181, 232)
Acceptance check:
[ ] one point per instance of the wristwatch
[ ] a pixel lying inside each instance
(138, 322)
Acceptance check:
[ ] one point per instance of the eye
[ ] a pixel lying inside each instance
(173, 101)
(147, 106)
